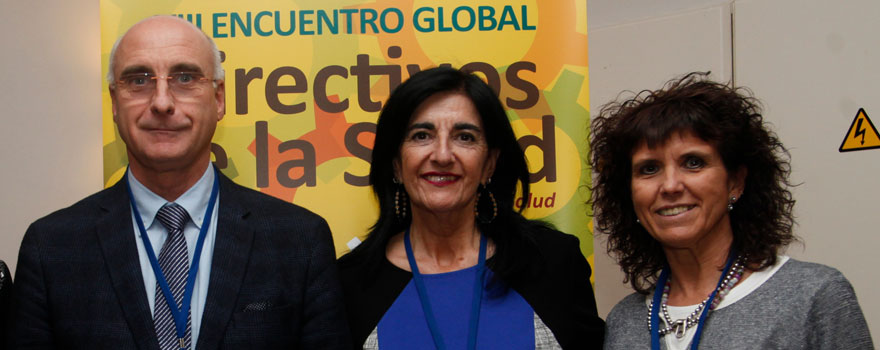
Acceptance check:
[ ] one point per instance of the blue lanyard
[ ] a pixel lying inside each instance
(658, 294)
(179, 314)
(476, 300)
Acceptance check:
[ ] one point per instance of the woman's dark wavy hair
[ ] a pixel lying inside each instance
(508, 228)
(727, 117)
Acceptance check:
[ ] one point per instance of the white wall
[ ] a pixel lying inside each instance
(814, 64)
(607, 13)
(50, 108)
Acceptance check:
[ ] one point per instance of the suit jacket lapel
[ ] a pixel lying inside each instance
(232, 248)
(116, 237)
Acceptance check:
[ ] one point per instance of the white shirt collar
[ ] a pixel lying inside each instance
(194, 200)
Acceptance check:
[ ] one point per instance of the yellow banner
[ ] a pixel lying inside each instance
(305, 81)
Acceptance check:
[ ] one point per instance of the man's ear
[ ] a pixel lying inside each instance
(113, 103)
(220, 97)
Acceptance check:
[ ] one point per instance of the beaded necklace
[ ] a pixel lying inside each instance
(680, 326)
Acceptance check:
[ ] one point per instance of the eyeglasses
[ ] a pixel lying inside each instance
(138, 86)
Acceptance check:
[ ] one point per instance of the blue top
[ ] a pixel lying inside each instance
(506, 321)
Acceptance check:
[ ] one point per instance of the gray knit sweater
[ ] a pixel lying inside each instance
(802, 306)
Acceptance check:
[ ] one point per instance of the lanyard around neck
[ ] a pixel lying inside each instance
(658, 295)
(476, 299)
(178, 313)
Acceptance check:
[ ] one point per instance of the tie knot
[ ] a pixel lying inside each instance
(173, 217)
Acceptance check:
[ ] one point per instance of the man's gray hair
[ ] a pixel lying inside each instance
(219, 73)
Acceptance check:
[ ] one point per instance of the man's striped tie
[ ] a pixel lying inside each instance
(174, 261)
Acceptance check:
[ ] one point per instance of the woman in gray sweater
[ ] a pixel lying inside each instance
(692, 190)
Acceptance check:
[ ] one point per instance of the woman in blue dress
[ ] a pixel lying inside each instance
(449, 264)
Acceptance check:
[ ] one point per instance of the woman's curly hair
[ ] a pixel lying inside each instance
(727, 117)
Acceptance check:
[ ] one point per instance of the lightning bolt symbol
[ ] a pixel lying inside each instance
(860, 131)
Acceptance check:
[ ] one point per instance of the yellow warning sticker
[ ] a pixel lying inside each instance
(861, 135)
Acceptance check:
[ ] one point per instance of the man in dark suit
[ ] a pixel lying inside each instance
(5, 301)
(115, 270)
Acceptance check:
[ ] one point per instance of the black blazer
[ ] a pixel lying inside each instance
(560, 293)
(5, 301)
(273, 280)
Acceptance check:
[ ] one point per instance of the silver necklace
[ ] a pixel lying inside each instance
(680, 326)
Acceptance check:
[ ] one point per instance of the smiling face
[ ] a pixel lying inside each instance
(164, 132)
(444, 155)
(680, 192)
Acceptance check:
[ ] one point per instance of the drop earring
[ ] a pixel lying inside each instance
(485, 188)
(400, 200)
